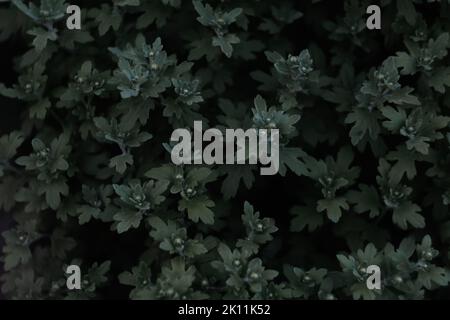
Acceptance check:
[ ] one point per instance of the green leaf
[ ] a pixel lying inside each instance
(53, 192)
(405, 164)
(236, 174)
(407, 10)
(396, 118)
(290, 158)
(121, 162)
(42, 37)
(365, 122)
(440, 79)
(127, 219)
(434, 275)
(333, 207)
(107, 18)
(226, 43)
(198, 209)
(403, 96)
(366, 200)
(408, 212)
(306, 216)
(9, 145)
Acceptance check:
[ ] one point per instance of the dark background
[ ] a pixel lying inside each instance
(272, 196)
(9, 111)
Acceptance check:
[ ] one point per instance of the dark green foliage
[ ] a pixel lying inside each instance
(86, 176)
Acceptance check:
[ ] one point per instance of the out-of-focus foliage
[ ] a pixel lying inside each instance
(364, 149)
